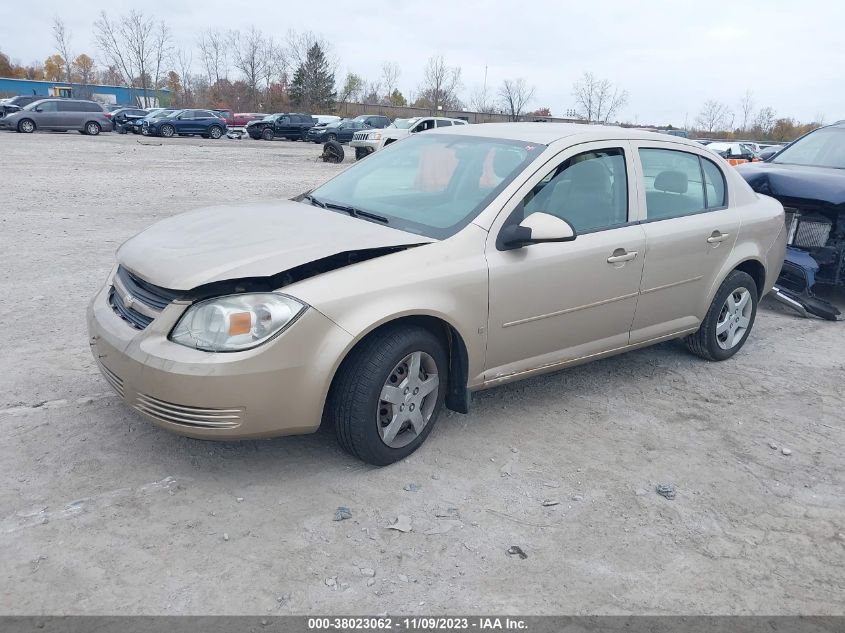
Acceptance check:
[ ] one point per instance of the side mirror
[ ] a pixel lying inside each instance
(537, 228)
(38, 109)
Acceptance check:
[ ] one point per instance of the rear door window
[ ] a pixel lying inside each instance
(444, 123)
(674, 183)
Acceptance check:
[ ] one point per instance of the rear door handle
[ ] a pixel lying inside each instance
(620, 255)
(717, 237)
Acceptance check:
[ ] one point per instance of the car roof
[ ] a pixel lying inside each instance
(547, 133)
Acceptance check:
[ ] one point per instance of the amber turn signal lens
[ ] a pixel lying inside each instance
(240, 323)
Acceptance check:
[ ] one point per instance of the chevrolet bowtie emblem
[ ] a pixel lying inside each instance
(128, 301)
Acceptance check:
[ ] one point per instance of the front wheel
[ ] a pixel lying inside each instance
(388, 394)
(729, 320)
(267, 134)
(27, 126)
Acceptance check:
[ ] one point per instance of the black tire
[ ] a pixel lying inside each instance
(26, 126)
(333, 152)
(361, 152)
(167, 131)
(92, 128)
(704, 343)
(353, 404)
(215, 132)
(267, 134)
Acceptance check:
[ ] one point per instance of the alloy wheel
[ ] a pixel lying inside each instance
(734, 318)
(27, 126)
(408, 399)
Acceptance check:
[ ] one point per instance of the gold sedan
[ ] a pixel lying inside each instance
(451, 261)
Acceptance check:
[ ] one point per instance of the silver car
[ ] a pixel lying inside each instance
(60, 115)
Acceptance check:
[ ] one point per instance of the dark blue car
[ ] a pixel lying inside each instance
(205, 123)
(808, 178)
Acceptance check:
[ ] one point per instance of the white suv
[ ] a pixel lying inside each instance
(369, 141)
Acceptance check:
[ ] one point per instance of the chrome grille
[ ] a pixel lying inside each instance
(112, 378)
(136, 301)
(187, 415)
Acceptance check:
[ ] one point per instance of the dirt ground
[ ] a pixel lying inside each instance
(103, 513)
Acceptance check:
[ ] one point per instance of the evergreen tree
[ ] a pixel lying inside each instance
(312, 88)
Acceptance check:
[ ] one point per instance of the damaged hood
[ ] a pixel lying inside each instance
(820, 185)
(246, 241)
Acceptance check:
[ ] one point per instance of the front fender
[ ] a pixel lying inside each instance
(446, 280)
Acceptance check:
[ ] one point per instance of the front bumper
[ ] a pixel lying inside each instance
(366, 143)
(278, 388)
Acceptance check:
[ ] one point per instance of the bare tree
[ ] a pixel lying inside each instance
(597, 100)
(481, 101)
(515, 95)
(61, 40)
(714, 116)
(184, 60)
(765, 120)
(389, 77)
(371, 93)
(440, 86)
(162, 54)
(276, 68)
(746, 108)
(110, 40)
(137, 30)
(214, 53)
(249, 54)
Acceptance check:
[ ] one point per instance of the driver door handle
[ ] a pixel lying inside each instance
(717, 237)
(620, 255)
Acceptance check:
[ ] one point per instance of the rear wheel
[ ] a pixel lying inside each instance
(729, 320)
(27, 126)
(167, 131)
(215, 131)
(388, 394)
(92, 128)
(267, 134)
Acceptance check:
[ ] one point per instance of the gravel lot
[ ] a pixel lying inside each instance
(101, 512)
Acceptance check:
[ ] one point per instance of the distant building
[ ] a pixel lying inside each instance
(121, 95)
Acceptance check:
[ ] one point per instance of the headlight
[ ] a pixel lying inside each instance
(375, 136)
(235, 322)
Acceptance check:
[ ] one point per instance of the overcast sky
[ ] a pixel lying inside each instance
(670, 56)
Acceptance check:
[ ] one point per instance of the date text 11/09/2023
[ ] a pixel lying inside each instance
(479, 623)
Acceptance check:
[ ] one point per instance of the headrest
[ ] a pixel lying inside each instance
(589, 174)
(672, 181)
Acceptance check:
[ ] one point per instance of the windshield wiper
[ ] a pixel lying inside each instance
(314, 201)
(355, 213)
